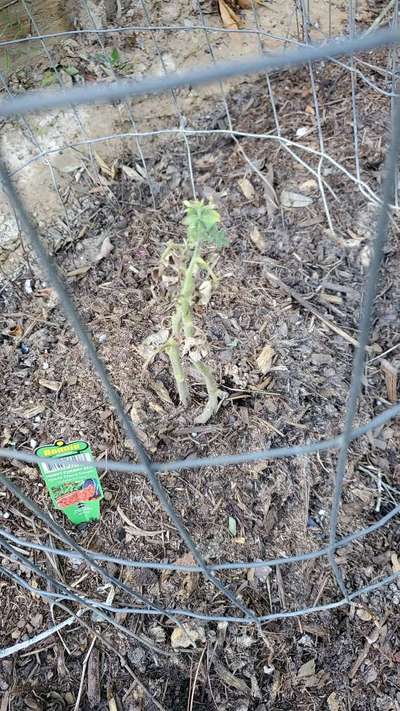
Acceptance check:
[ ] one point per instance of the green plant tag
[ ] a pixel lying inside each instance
(74, 489)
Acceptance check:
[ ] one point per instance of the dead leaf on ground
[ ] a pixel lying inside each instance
(134, 173)
(333, 702)
(289, 198)
(135, 530)
(152, 345)
(394, 558)
(107, 170)
(16, 331)
(186, 637)
(307, 669)
(264, 360)
(247, 188)
(205, 290)
(230, 679)
(364, 615)
(257, 238)
(105, 249)
(230, 20)
(162, 392)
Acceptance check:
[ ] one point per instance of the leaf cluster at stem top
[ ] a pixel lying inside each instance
(202, 225)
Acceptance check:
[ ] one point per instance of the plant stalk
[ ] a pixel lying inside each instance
(174, 356)
(212, 391)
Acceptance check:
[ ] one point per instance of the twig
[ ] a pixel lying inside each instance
(38, 638)
(84, 665)
(191, 698)
(309, 307)
(379, 494)
(98, 635)
(378, 20)
(8, 4)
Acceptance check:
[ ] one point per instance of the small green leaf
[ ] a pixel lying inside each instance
(114, 56)
(72, 71)
(49, 78)
(232, 528)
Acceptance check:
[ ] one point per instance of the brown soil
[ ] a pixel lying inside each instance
(280, 508)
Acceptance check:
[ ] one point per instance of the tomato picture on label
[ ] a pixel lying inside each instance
(87, 492)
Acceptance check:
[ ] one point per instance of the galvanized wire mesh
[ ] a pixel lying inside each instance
(346, 53)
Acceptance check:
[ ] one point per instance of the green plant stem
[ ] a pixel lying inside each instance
(212, 391)
(186, 295)
(174, 356)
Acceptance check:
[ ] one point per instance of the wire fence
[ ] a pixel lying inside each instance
(344, 51)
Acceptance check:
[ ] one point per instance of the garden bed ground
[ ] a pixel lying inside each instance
(280, 508)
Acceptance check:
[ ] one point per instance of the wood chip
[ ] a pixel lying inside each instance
(53, 385)
(264, 359)
(105, 249)
(390, 373)
(93, 679)
(269, 192)
(31, 411)
(257, 238)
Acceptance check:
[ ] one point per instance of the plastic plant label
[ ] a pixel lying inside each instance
(75, 490)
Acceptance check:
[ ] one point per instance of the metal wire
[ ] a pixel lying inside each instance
(218, 567)
(100, 93)
(112, 394)
(389, 188)
(303, 55)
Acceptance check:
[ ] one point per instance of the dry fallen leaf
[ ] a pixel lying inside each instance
(16, 331)
(230, 679)
(394, 558)
(230, 20)
(205, 290)
(292, 199)
(364, 615)
(105, 249)
(264, 360)
(257, 238)
(333, 703)
(186, 637)
(307, 669)
(134, 530)
(246, 188)
(152, 345)
(109, 171)
(133, 174)
(161, 391)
